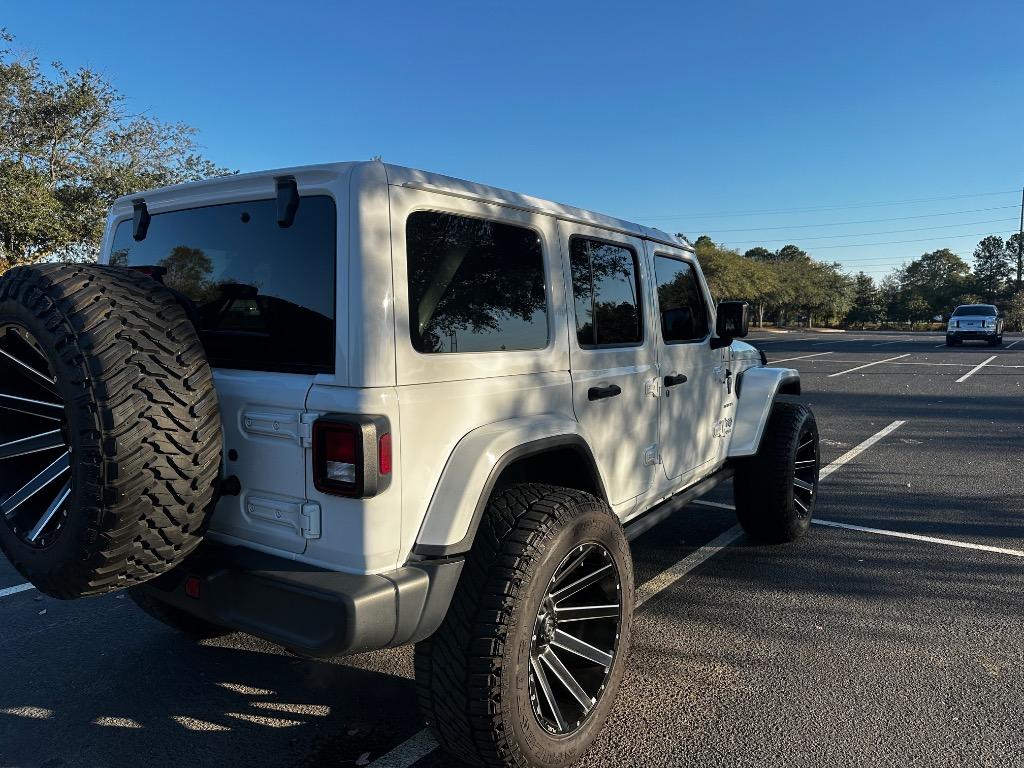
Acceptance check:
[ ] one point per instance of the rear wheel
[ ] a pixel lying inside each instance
(525, 668)
(996, 342)
(775, 491)
(110, 435)
(953, 342)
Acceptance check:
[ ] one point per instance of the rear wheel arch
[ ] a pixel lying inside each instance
(562, 460)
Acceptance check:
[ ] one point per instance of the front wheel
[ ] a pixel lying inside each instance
(525, 668)
(775, 490)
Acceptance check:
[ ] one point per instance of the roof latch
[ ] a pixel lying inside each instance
(140, 220)
(287, 202)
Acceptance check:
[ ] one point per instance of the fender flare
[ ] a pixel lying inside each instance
(473, 470)
(757, 389)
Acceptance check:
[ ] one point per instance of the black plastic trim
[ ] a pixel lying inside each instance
(653, 516)
(519, 452)
(311, 611)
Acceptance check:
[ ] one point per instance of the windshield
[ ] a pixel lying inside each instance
(975, 310)
(263, 295)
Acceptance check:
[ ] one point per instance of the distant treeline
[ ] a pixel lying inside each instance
(787, 286)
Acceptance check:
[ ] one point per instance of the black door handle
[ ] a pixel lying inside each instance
(671, 381)
(599, 393)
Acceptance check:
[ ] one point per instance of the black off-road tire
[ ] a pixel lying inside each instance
(141, 420)
(472, 675)
(996, 342)
(769, 504)
(186, 623)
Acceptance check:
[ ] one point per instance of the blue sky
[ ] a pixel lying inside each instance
(694, 117)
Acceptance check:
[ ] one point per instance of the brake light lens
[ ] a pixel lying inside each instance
(384, 454)
(351, 455)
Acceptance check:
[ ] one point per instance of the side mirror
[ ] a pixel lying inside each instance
(733, 322)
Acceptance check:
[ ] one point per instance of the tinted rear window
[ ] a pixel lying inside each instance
(474, 285)
(975, 310)
(263, 294)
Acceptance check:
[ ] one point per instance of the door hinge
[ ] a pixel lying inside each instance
(653, 387)
(651, 455)
(309, 520)
(306, 428)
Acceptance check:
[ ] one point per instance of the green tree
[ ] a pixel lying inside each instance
(759, 254)
(1015, 251)
(991, 267)
(934, 279)
(867, 305)
(1015, 311)
(68, 149)
(791, 253)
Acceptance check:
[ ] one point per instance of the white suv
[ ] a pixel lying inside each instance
(354, 406)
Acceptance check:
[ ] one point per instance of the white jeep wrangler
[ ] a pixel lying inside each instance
(354, 406)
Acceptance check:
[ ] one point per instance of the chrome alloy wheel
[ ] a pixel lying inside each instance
(575, 638)
(805, 473)
(35, 456)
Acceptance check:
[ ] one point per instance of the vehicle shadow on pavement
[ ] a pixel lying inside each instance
(139, 693)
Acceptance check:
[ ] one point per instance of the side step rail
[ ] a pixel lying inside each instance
(644, 522)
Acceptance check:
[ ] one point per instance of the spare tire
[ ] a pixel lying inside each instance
(110, 435)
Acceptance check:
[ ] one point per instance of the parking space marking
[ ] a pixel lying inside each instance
(801, 357)
(674, 573)
(775, 341)
(15, 590)
(883, 343)
(1011, 346)
(423, 743)
(918, 537)
(868, 365)
(858, 450)
(975, 369)
(835, 341)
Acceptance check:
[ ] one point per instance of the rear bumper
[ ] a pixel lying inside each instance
(308, 610)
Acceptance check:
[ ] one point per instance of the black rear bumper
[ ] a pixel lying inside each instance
(309, 610)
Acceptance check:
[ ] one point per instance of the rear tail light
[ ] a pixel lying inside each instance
(351, 455)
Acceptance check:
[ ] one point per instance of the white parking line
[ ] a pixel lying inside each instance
(882, 344)
(775, 341)
(674, 573)
(1011, 346)
(408, 752)
(15, 590)
(975, 369)
(422, 743)
(885, 532)
(868, 365)
(801, 357)
(918, 537)
(835, 341)
(858, 450)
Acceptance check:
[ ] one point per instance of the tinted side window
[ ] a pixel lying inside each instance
(684, 315)
(474, 285)
(606, 291)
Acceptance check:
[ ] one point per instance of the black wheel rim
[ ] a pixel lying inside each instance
(35, 457)
(805, 474)
(575, 640)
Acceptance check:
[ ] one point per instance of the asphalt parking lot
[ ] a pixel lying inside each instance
(891, 635)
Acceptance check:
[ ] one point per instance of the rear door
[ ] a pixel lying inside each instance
(696, 405)
(613, 354)
(263, 297)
